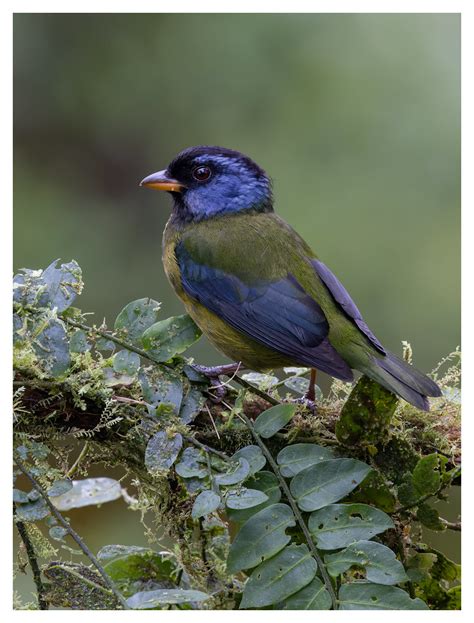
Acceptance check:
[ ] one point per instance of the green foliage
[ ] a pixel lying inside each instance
(368, 596)
(327, 482)
(280, 577)
(299, 456)
(272, 420)
(339, 525)
(146, 600)
(380, 563)
(291, 520)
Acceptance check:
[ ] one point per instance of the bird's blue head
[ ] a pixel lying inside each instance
(210, 181)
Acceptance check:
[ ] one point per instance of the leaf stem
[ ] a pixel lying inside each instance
(87, 552)
(296, 511)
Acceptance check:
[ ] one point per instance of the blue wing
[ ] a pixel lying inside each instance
(279, 314)
(342, 297)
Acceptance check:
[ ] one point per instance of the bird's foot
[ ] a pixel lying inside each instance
(213, 373)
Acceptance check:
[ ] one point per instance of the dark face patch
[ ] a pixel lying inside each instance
(218, 180)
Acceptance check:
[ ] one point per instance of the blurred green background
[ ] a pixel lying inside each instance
(355, 117)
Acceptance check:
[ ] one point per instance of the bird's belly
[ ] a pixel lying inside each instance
(232, 343)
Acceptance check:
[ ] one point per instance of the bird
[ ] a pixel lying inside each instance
(254, 286)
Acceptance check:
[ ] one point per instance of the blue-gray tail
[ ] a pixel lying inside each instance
(400, 377)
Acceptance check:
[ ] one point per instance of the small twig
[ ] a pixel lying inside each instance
(213, 423)
(32, 559)
(255, 390)
(452, 525)
(87, 552)
(76, 463)
(206, 448)
(295, 509)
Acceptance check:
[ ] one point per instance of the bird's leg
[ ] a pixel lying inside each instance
(311, 393)
(308, 400)
(214, 372)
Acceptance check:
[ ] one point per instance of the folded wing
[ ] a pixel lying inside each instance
(278, 314)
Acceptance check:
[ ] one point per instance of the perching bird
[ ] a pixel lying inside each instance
(254, 286)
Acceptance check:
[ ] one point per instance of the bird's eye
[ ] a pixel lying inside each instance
(202, 174)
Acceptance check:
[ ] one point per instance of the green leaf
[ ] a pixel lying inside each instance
(297, 384)
(314, 596)
(253, 455)
(426, 475)
(136, 317)
(103, 344)
(379, 562)
(262, 381)
(193, 402)
(170, 337)
(153, 599)
(407, 494)
(300, 385)
(295, 370)
(375, 491)
(20, 496)
(444, 568)
(78, 342)
(205, 503)
(88, 492)
(419, 565)
(266, 482)
(430, 518)
(261, 536)
(161, 387)
(368, 596)
(59, 487)
(245, 498)
(327, 482)
(137, 566)
(52, 348)
(112, 378)
(278, 578)
(126, 361)
(58, 533)
(32, 511)
(238, 474)
(63, 284)
(53, 287)
(161, 452)
(453, 598)
(339, 525)
(111, 552)
(190, 465)
(272, 420)
(297, 457)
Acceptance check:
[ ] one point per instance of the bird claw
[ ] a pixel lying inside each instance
(213, 373)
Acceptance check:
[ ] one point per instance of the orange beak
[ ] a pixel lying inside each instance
(161, 181)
